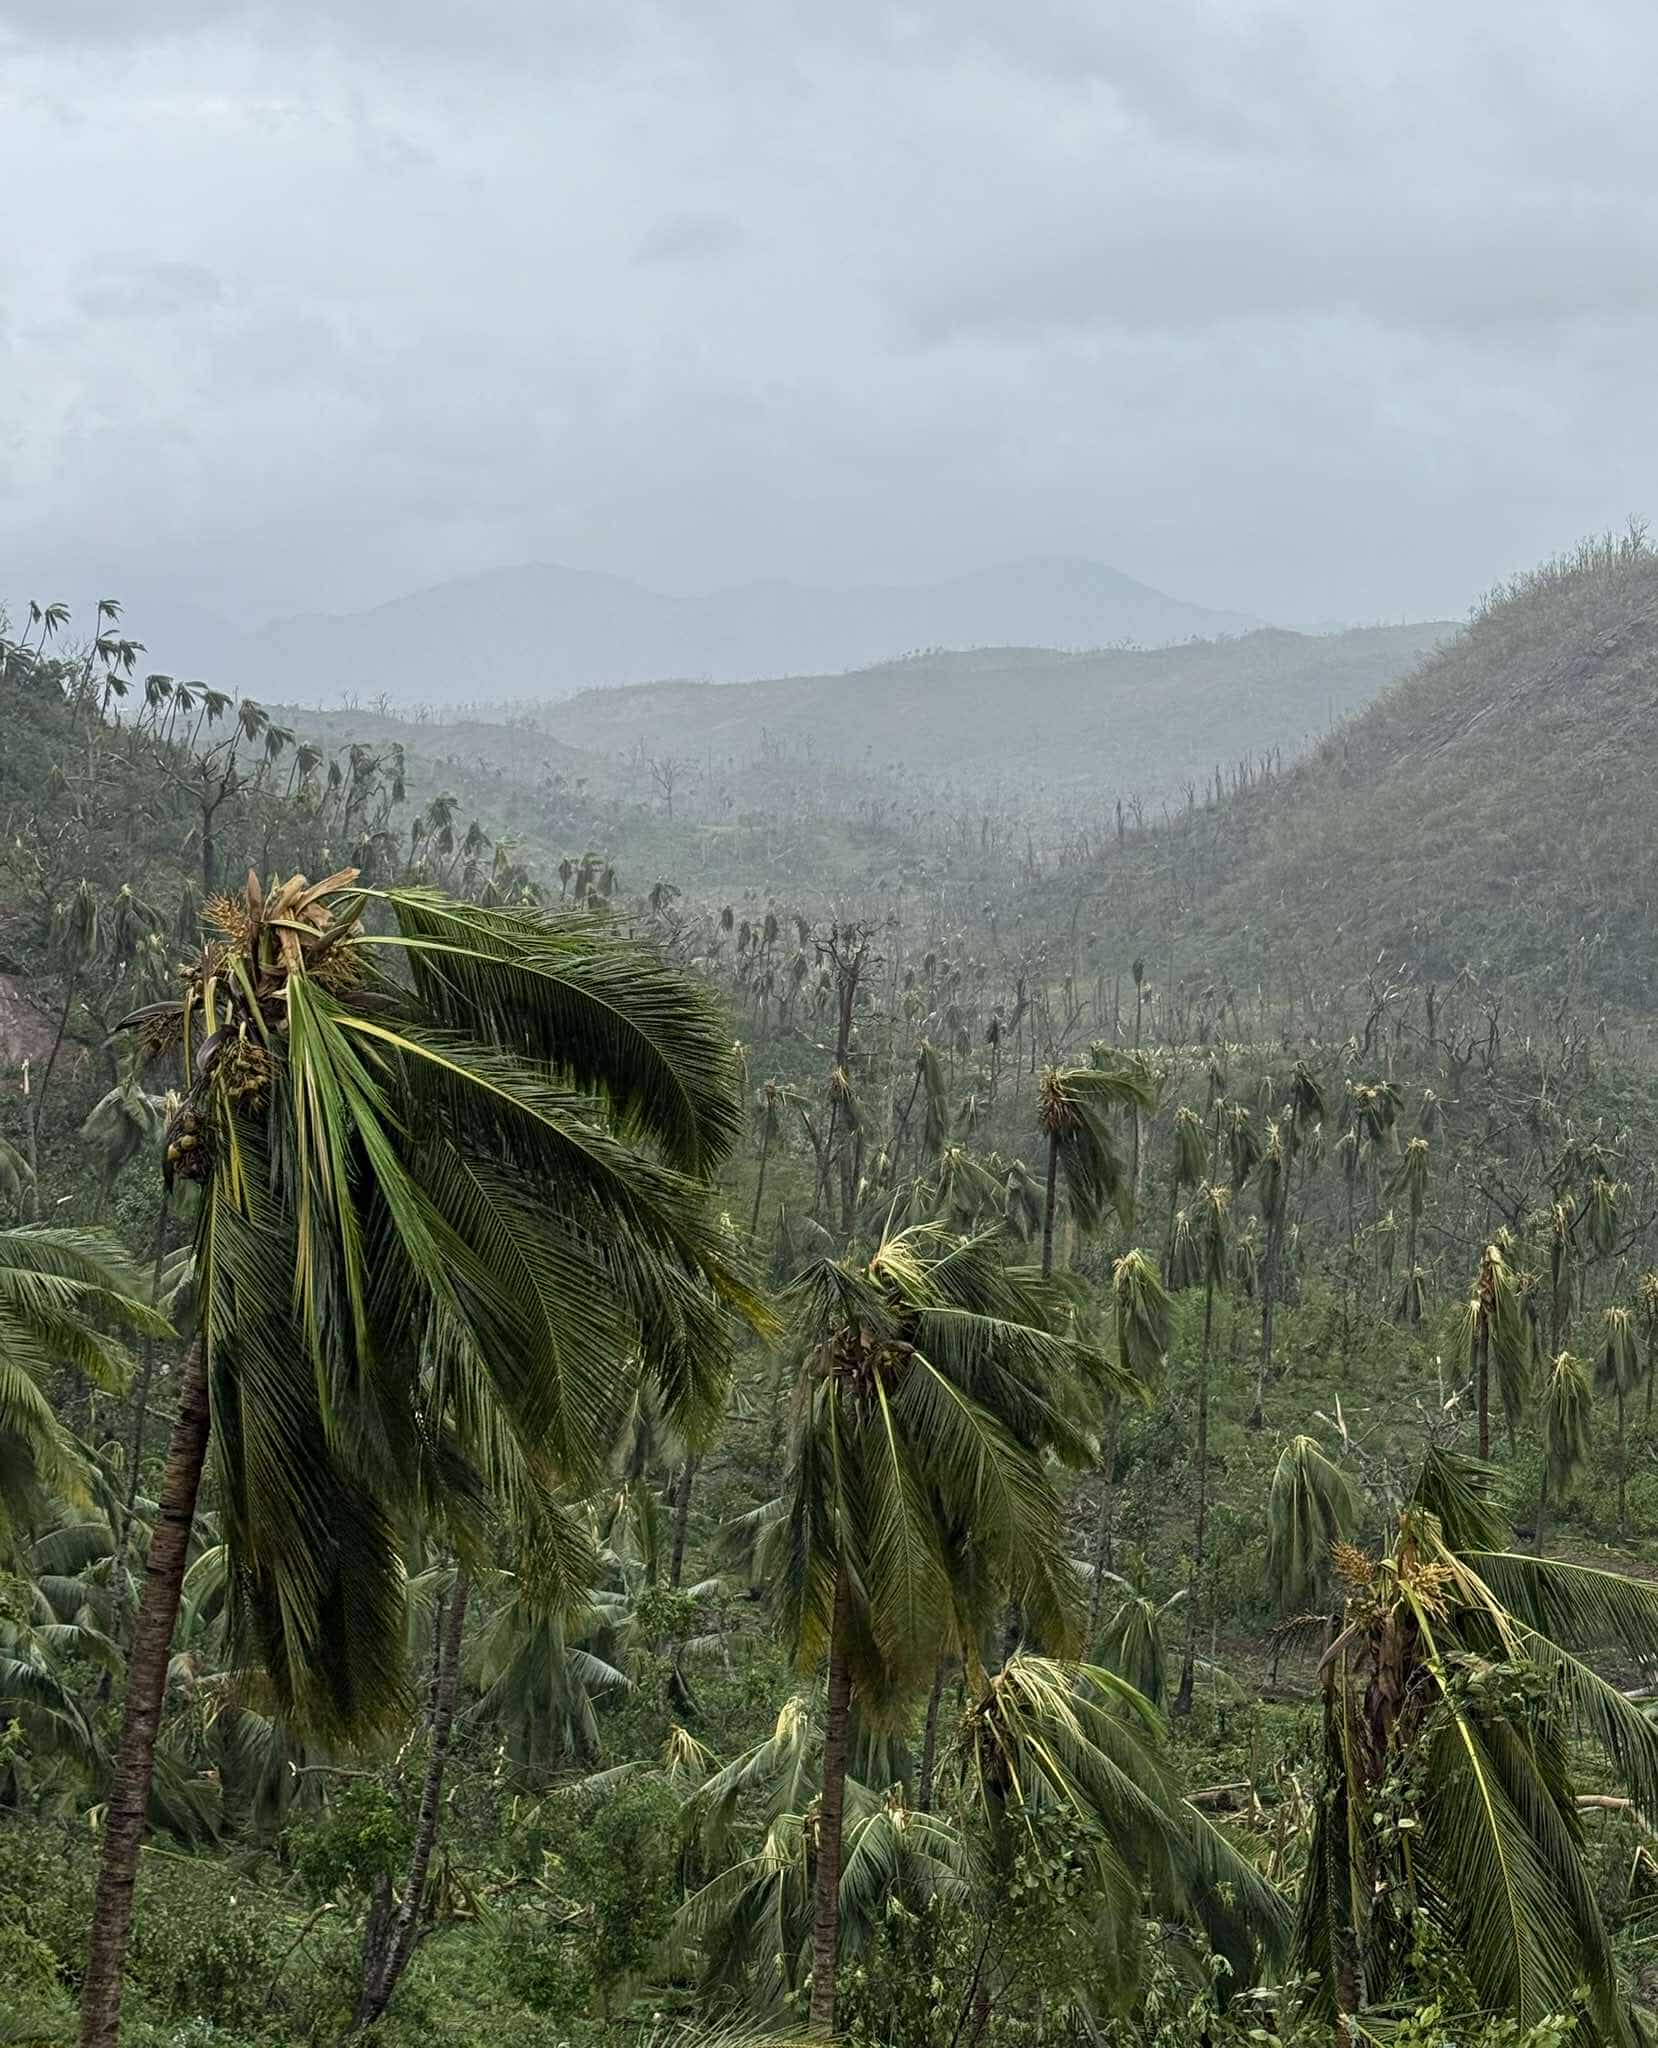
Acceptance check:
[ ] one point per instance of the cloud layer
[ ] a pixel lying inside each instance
(1312, 311)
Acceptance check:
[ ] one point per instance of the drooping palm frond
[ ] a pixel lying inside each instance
(1082, 1739)
(61, 1294)
(1075, 1106)
(1310, 1507)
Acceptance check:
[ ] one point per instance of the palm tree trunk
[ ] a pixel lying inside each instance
(1623, 1463)
(1269, 1301)
(760, 1184)
(826, 1917)
(1188, 1663)
(389, 1941)
(1050, 1203)
(141, 1407)
(1542, 1503)
(929, 1741)
(682, 1518)
(152, 1642)
(1482, 1385)
(1102, 1539)
(1168, 1236)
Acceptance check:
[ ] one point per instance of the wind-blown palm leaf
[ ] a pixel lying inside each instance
(455, 1211)
(61, 1294)
(1310, 1507)
(1464, 1657)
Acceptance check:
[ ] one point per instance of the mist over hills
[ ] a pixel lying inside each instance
(1122, 721)
(543, 631)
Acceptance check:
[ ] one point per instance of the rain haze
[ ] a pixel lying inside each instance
(1296, 313)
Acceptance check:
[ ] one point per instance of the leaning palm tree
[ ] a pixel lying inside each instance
(453, 1172)
(61, 1293)
(935, 1384)
(1074, 1107)
(1458, 1710)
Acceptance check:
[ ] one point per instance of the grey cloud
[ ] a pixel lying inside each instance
(1297, 310)
(683, 237)
(114, 289)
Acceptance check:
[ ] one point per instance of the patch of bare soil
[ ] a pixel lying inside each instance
(25, 1030)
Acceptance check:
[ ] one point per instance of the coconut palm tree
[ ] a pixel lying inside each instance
(935, 1383)
(1140, 1304)
(1132, 1643)
(1618, 1365)
(1074, 1108)
(1453, 1698)
(453, 1179)
(1564, 1406)
(1497, 1332)
(748, 1931)
(1190, 1163)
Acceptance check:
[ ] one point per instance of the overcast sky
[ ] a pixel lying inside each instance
(1319, 309)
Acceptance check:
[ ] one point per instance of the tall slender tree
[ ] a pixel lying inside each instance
(1210, 1232)
(453, 1174)
(936, 1383)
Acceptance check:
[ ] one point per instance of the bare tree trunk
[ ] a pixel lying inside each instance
(1049, 1204)
(826, 1916)
(929, 1741)
(760, 1184)
(1188, 1664)
(38, 1107)
(152, 1642)
(388, 1941)
(682, 1518)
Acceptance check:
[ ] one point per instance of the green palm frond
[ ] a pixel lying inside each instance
(1310, 1507)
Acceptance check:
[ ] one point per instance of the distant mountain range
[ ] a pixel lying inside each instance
(543, 631)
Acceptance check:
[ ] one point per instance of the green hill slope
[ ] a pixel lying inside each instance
(1491, 811)
(1101, 723)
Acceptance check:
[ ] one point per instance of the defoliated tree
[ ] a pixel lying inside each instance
(1411, 1183)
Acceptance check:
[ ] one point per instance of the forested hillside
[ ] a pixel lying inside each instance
(937, 1415)
(1485, 814)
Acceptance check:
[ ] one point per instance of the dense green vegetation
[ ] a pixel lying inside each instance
(969, 1433)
